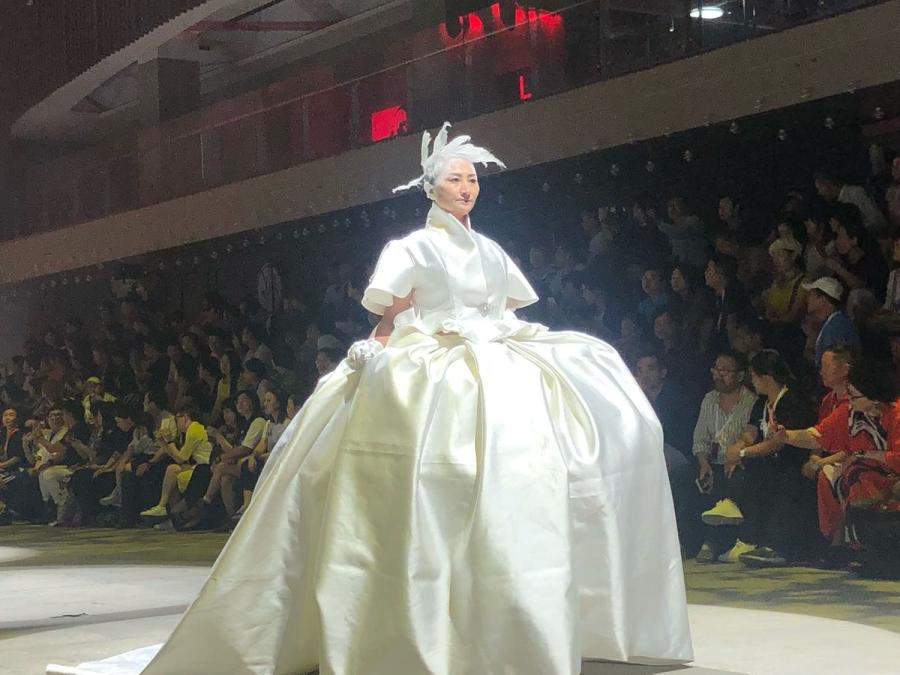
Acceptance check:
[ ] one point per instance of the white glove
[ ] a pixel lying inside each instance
(362, 351)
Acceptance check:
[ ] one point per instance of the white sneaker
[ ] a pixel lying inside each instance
(725, 512)
(734, 555)
(112, 499)
(155, 512)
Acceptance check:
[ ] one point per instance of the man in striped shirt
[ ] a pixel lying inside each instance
(724, 420)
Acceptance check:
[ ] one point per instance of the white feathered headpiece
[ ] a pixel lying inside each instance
(442, 151)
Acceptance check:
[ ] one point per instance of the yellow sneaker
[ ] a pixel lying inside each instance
(725, 512)
(734, 555)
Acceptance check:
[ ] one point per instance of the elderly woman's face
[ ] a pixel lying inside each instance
(457, 188)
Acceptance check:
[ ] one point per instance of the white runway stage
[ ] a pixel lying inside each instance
(68, 615)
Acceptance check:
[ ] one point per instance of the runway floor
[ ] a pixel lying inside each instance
(68, 596)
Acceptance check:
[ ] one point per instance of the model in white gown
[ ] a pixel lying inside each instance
(484, 496)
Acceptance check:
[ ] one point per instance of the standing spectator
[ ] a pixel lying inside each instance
(833, 189)
(823, 303)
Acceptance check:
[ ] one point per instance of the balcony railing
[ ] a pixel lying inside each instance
(486, 61)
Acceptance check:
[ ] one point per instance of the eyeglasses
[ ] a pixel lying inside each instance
(723, 371)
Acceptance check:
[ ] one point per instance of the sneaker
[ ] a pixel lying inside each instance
(165, 526)
(112, 499)
(155, 512)
(734, 555)
(725, 512)
(706, 554)
(763, 556)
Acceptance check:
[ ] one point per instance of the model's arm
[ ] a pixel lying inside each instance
(386, 326)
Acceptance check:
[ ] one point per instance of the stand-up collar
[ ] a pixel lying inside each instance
(439, 219)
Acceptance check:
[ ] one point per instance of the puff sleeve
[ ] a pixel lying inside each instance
(519, 292)
(393, 276)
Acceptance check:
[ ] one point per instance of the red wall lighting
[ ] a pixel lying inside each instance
(388, 122)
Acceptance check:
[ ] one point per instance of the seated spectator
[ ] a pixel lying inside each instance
(729, 298)
(94, 391)
(678, 350)
(655, 295)
(642, 241)
(776, 504)
(565, 264)
(140, 479)
(327, 360)
(632, 338)
(140, 450)
(823, 305)
(194, 451)
(227, 383)
(253, 376)
(892, 194)
(853, 467)
(692, 302)
(13, 469)
(229, 464)
(599, 319)
(892, 292)
(69, 454)
(819, 246)
(785, 300)
(686, 234)
(252, 339)
(156, 364)
(675, 412)
(675, 418)
(275, 408)
(110, 436)
(858, 263)
(569, 311)
(832, 189)
(723, 422)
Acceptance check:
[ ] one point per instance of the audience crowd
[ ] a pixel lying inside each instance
(769, 348)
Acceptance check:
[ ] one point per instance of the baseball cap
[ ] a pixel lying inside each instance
(93, 379)
(827, 285)
(786, 244)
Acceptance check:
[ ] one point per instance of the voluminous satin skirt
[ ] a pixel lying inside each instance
(454, 508)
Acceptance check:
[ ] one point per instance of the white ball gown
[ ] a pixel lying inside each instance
(485, 496)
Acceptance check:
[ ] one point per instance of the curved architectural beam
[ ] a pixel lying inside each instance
(54, 118)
